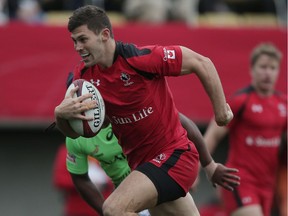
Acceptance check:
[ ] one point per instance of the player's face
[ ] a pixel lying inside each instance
(265, 73)
(88, 45)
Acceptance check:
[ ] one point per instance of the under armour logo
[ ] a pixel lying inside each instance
(96, 83)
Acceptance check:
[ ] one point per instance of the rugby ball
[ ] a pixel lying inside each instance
(83, 127)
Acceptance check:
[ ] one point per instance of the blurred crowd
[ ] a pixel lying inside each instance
(33, 11)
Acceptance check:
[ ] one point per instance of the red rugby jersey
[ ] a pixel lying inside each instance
(138, 100)
(255, 134)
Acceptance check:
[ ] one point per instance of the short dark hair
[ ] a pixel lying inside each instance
(94, 17)
(265, 49)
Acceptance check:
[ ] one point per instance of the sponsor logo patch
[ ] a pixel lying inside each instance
(71, 158)
(169, 54)
(263, 142)
(134, 117)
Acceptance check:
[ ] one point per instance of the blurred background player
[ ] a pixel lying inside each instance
(260, 119)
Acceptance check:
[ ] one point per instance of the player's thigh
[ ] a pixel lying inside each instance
(183, 206)
(134, 194)
(254, 210)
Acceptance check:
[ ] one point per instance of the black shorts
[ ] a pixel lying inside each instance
(173, 174)
(168, 189)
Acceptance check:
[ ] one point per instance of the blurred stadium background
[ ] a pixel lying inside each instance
(36, 57)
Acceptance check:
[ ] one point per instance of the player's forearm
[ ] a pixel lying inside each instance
(213, 87)
(89, 192)
(93, 197)
(64, 127)
(211, 143)
(205, 157)
(195, 135)
(213, 135)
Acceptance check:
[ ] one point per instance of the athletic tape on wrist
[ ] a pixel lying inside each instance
(210, 169)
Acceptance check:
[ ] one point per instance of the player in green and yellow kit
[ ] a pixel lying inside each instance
(105, 148)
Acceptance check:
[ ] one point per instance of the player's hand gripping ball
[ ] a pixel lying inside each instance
(83, 127)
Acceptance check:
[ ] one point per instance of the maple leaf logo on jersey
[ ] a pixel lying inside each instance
(126, 78)
(169, 54)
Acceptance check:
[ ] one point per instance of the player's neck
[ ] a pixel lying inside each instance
(264, 93)
(108, 56)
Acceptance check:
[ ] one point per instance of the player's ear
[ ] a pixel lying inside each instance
(105, 34)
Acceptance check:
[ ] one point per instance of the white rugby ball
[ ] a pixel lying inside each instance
(83, 127)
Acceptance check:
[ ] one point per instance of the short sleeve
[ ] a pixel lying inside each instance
(76, 161)
(237, 105)
(77, 70)
(161, 60)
